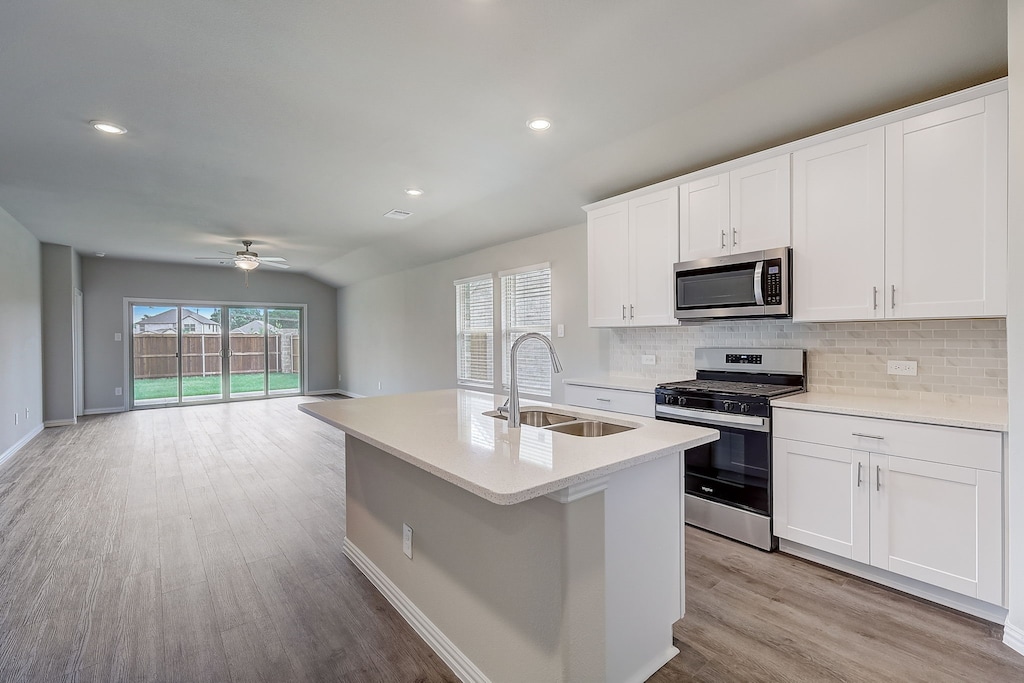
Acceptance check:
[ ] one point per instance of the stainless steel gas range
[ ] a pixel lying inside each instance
(729, 481)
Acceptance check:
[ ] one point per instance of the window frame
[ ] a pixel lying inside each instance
(459, 335)
(506, 348)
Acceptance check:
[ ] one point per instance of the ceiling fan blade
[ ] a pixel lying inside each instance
(210, 258)
(273, 264)
(272, 258)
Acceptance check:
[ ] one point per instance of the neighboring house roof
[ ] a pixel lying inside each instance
(171, 316)
(254, 327)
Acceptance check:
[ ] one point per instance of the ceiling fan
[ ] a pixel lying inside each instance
(247, 260)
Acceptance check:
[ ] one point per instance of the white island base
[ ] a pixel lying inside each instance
(583, 584)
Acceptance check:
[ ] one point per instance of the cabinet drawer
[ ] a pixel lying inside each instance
(615, 400)
(950, 445)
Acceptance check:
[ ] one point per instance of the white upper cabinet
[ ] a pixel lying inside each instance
(704, 218)
(653, 245)
(731, 213)
(839, 228)
(906, 220)
(608, 265)
(945, 223)
(631, 248)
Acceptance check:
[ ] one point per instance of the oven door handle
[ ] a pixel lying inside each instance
(759, 424)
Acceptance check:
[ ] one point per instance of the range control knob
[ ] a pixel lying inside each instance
(744, 408)
(681, 400)
(669, 400)
(729, 405)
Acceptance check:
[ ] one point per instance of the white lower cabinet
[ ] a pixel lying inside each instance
(921, 501)
(615, 400)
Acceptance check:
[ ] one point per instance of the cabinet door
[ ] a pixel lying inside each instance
(938, 523)
(946, 185)
(653, 237)
(704, 229)
(839, 229)
(759, 206)
(608, 266)
(820, 497)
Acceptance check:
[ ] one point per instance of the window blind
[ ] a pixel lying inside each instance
(526, 307)
(474, 303)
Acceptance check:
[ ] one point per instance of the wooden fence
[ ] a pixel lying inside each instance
(155, 356)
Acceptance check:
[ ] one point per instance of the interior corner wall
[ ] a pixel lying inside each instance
(106, 282)
(1014, 635)
(21, 363)
(397, 332)
(58, 284)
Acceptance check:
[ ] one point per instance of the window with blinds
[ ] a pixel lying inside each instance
(474, 303)
(526, 307)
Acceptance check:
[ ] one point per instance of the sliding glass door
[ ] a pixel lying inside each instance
(205, 353)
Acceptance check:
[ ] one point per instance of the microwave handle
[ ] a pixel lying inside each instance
(758, 286)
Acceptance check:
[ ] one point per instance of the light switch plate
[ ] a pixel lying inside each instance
(902, 367)
(117, 336)
(407, 540)
(648, 360)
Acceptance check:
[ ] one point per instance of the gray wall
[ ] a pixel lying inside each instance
(21, 363)
(106, 282)
(58, 283)
(1015, 324)
(399, 330)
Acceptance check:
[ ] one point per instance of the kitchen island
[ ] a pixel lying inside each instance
(535, 555)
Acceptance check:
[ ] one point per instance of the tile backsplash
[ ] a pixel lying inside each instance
(957, 360)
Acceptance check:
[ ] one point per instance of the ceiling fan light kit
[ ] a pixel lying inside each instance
(247, 260)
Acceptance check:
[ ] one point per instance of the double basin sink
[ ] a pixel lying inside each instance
(565, 424)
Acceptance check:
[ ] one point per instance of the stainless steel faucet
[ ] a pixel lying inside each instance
(513, 392)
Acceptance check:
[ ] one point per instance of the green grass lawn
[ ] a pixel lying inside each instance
(167, 387)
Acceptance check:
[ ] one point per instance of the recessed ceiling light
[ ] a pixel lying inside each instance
(413, 191)
(101, 254)
(108, 127)
(538, 124)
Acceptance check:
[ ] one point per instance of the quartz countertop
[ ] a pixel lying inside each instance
(641, 384)
(446, 433)
(971, 416)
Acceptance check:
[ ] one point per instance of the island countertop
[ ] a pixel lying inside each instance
(446, 433)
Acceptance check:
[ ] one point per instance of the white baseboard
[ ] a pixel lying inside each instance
(1013, 637)
(321, 392)
(60, 423)
(350, 394)
(21, 443)
(438, 641)
(946, 598)
(103, 411)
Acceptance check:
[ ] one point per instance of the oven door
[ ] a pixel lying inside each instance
(736, 469)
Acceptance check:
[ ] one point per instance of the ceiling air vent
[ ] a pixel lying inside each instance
(398, 213)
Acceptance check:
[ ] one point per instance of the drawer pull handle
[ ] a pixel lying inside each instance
(606, 400)
(868, 436)
(859, 466)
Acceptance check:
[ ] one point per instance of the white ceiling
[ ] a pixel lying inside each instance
(298, 124)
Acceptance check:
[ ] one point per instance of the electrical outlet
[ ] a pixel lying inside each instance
(380, 385)
(339, 379)
(15, 418)
(117, 391)
(648, 360)
(407, 540)
(117, 336)
(902, 367)
(560, 330)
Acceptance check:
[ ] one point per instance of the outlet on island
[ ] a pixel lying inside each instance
(648, 360)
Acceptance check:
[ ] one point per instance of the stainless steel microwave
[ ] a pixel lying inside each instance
(752, 285)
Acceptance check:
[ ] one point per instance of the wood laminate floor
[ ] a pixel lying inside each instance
(204, 544)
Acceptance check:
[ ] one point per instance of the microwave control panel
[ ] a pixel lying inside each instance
(772, 282)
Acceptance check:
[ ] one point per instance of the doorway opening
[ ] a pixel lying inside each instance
(201, 353)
